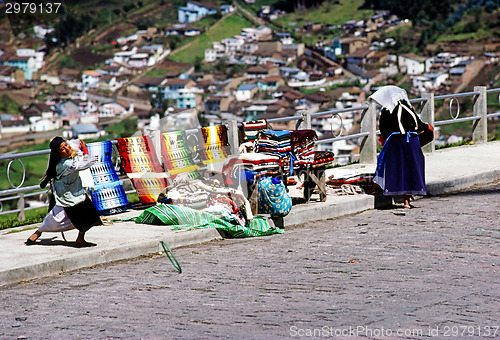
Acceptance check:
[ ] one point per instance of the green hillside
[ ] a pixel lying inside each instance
(226, 28)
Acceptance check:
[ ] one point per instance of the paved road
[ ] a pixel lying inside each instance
(430, 271)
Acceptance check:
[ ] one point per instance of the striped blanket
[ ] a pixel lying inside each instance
(107, 194)
(176, 157)
(250, 130)
(139, 161)
(217, 146)
(185, 218)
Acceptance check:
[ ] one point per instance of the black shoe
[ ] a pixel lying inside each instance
(29, 242)
(84, 245)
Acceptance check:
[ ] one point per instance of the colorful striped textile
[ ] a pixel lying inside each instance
(258, 164)
(321, 159)
(138, 155)
(276, 142)
(250, 130)
(110, 198)
(185, 218)
(216, 147)
(303, 145)
(363, 180)
(108, 194)
(139, 161)
(176, 157)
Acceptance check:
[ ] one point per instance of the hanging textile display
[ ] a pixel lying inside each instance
(139, 161)
(250, 130)
(216, 147)
(176, 156)
(107, 194)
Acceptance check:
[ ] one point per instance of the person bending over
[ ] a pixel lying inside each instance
(72, 207)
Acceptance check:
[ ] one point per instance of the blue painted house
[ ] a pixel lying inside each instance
(269, 83)
(172, 87)
(27, 64)
(194, 11)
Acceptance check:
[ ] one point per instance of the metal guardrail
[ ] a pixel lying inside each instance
(366, 137)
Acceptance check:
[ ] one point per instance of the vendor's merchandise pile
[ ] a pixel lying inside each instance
(276, 142)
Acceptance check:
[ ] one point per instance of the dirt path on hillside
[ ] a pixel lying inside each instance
(471, 72)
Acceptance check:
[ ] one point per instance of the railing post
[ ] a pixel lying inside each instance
(428, 116)
(480, 127)
(233, 135)
(21, 216)
(368, 152)
(308, 120)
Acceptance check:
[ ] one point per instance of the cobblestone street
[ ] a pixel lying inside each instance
(432, 271)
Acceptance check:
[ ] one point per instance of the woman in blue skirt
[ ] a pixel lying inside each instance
(401, 164)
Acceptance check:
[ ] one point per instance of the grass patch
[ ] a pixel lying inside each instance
(226, 28)
(451, 145)
(33, 216)
(328, 14)
(8, 105)
(479, 35)
(35, 167)
(124, 128)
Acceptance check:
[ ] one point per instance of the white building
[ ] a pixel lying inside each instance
(245, 92)
(232, 45)
(90, 78)
(140, 60)
(123, 57)
(215, 53)
(429, 81)
(411, 64)
(31, 53)
(115, 109)
(43, 124)
(42, 30)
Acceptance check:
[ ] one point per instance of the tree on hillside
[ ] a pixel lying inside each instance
(417, 11)
(297, 5)
(70, 27)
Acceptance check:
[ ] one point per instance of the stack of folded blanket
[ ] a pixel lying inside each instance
(303, 145)
(276, 142)
(322, 158)
(250, 165)
(339, 178)
(250, 130)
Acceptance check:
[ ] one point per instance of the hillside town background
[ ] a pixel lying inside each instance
(262, 72)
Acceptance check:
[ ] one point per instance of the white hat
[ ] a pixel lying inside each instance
(389, 96)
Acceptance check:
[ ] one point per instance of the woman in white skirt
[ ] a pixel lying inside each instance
(73, 208)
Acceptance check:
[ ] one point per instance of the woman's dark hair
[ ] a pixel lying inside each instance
(54, 158)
